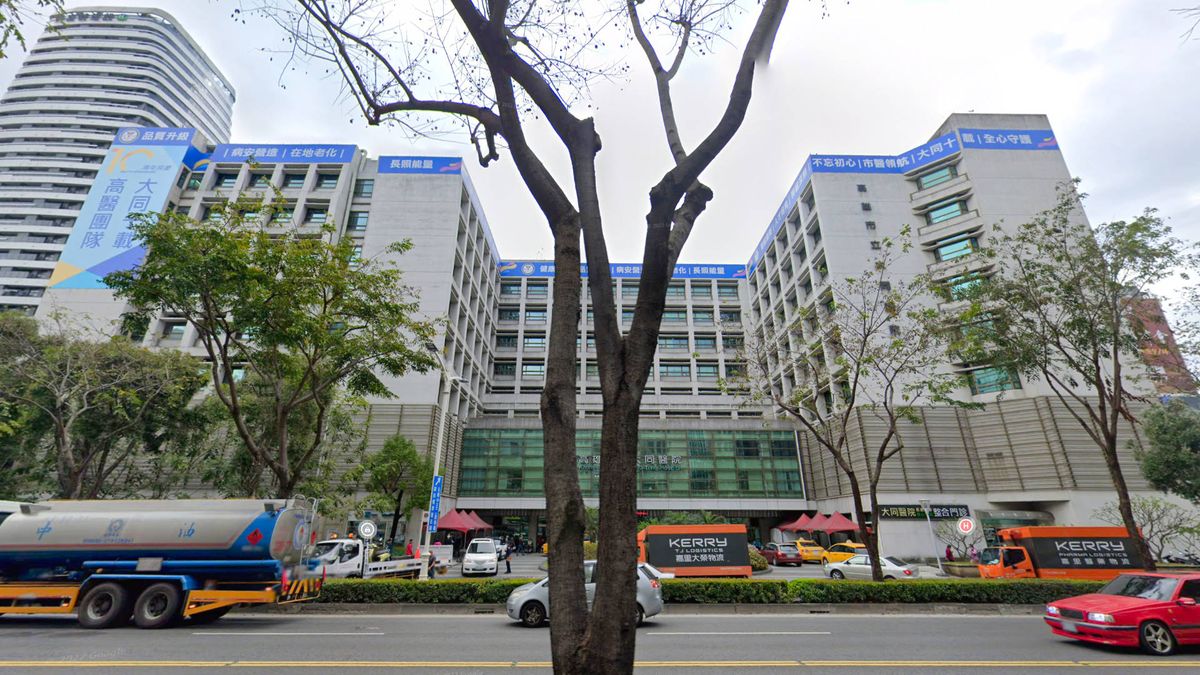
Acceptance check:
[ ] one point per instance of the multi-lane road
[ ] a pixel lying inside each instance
(670, 643)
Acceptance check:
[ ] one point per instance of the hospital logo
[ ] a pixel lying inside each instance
(129, 135)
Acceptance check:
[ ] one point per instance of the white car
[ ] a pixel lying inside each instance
(859, 567)
(530, 604)
(481, 557)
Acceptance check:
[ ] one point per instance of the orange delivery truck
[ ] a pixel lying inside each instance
(1050, 552)
(696, 550)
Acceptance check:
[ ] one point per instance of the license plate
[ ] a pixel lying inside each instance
(1070, 627)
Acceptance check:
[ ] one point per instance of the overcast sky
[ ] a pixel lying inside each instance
(1121, 87)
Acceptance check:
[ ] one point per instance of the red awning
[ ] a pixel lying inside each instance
(797, 525)
(818, 523)
(480, 522)
(839, 523)
(457, 521)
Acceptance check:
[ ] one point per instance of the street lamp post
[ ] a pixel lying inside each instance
(439, 442)
(932, 538)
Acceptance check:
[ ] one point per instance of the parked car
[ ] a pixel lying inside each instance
(810, 550)
(842, 551)
(782, 554)
(1157, 612)
(859, 567)
(530, 604)
(481, 557)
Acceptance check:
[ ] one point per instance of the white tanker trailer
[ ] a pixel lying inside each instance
(156, 561)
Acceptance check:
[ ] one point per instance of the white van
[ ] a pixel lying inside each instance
(481, 557)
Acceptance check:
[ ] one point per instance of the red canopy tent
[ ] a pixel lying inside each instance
(480, 522)
(838, 523)
(817, 523)
(457, 521)
(801, 523)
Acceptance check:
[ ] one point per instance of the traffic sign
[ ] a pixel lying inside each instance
(966, 525)
(435, 503)
(367, 530)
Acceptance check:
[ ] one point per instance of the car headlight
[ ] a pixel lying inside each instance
(1100, 618)
(1052, 610)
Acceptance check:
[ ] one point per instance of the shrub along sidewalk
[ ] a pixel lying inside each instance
(728, 591)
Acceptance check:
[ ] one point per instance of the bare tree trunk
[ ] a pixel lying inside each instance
(565, 514)
(859, 513)
(871, 537)
(396, 515)
(1124, 504)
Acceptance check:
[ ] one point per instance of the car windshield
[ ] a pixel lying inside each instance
(989, 556)
(1138, 586)
(324, 547)
(481, 547)
(895, 561)
(789, 548)
(650, 570)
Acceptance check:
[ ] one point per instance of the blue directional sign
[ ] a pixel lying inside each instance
(435, 503)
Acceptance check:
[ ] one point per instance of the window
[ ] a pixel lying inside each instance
(591, 343)
(535, 342)
(533, 370)
(706, 342)
(173, 331)
(510, 314)
(356, 254)
(702, 291)
(870, 226)
(674, 316)
(990, 380)
(885, 285)
(702, 317)
(193, 180)
(733, 370)
(364, 187)
(593, 370)
(961, 286)
(936, 177)
(260, 180)
(675, 291)
(943, 211)
(743, 480)
(893, 330)
(866, 206)
(747, 447)
(357, 221)
(282, 215)
(315, 216)
(674, 370)
(701, 480)
(732, 342)
(293, 180)
(862, 188)
(211, 214)
(506, 341)
(627, 316)
(783, 448)
(505, 369)
(538, 290)
(727, 292)
(535, 315)
(225, 180)
(706, 370)
(875, 245)
(510, 289)
(326, 181)
(956, 249)
(731, 316)
(629, 291)
(672, 342)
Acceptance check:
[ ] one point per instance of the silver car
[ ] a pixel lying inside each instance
(859, 567)
(530, 604)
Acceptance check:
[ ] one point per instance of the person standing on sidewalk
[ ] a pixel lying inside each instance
(508, 559)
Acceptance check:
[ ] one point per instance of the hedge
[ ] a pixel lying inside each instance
(726, 591)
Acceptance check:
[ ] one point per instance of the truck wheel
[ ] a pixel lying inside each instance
(210, 616)
(104, 606)
(157, 606)
(533, 614)
(1157, 639)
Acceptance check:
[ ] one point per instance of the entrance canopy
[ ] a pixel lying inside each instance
(457, 521)
(817, 524)
(480, 523)
(838, 523)
(797, 525)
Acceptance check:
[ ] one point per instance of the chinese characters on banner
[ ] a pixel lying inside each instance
(543, 268)
(295, 154)
(451, 166)
(914, 511)
(591, 463)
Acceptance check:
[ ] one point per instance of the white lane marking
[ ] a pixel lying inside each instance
(249, 633)
(753, 632)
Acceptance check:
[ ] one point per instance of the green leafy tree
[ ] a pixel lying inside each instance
(873, 350)
(1163, 523)
(98, 405)
(1171, 458)
(14, 14)
(300, 315)
(398, 477)
(1061, 310)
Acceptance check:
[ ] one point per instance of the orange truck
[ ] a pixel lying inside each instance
(1050, 552)
(696, 550)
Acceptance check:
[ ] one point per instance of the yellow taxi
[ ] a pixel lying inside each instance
(842, 551)
(810, 551)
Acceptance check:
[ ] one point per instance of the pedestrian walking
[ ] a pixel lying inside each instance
(432, 566)
(508, 560)
(949, 554)
(408, 549)
(974, 554)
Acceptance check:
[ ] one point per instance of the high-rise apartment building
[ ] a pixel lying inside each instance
(1021, 459)
(102, 68)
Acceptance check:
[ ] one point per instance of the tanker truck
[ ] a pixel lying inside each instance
(155, 561)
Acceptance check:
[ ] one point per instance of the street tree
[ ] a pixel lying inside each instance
(1163, 522)
(869, 355)
(287, 320)
(1171, 458)
(961, 544)
(1061, 308)
(494, 67)
(98, 405)
(397, 477)
(15, 13)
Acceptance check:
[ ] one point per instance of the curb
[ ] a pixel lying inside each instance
(677, 609)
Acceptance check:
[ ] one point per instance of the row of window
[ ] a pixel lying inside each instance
(538, 341)
(670, 316)
(700, 290)
(666, 369)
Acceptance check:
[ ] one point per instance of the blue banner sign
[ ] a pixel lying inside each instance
(420, 165)
(1009, 139)
(545, 268)
(136, 176)
(295, 154)
(435, 503)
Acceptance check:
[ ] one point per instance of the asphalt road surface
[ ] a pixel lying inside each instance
(489, 643)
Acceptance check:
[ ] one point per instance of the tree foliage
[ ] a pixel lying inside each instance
(15, 13)
(1171, 458)
(872, 349)
(1061, 310)
(101, 408)
(1163, 522)
(398, 478)
(301, 316)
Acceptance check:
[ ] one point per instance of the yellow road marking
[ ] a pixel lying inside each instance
(1156, 663)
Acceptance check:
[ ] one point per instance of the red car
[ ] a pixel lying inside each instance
(782, 554)
(1157, 612)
